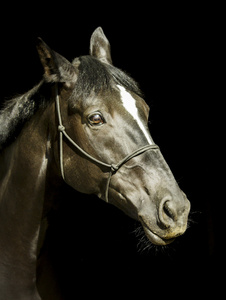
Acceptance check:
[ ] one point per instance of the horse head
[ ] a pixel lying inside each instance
(102, 111)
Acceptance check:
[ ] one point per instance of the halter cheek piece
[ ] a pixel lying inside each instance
(113, 168)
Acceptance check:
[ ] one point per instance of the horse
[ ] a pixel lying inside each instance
(84, 125)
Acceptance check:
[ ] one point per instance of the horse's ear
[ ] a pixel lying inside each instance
(56, 67)
(100, 46)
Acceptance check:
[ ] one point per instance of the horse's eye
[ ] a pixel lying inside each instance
(96, 119)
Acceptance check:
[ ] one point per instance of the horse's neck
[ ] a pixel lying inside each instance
(23, 176)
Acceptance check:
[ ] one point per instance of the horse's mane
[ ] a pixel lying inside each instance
(93, 76)
(18, 110)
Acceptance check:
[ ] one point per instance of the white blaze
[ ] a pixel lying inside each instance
(130, 105)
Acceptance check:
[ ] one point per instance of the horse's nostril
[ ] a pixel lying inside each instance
(167, 212)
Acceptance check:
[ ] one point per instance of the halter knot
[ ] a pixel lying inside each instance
(114, 168)
(61, 128)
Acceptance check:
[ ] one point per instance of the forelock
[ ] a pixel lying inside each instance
(95, 76)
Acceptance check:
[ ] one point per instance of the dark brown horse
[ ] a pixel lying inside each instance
(84, 124)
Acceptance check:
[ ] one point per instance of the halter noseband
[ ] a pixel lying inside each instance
(113, 168)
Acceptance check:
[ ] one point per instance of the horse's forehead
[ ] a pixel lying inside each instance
(130, 105)
(128, 101)
(117, 98)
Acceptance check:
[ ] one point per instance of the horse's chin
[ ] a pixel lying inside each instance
(154, 238)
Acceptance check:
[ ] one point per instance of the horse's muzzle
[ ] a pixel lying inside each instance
(172, 218)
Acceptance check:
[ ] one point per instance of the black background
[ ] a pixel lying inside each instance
(174, 52)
